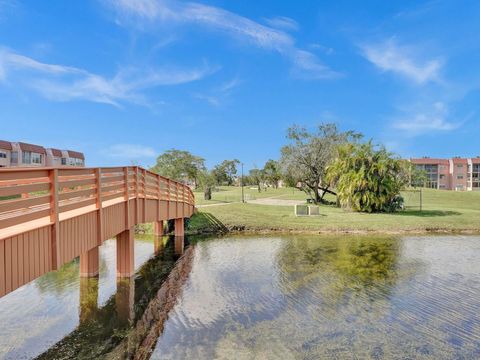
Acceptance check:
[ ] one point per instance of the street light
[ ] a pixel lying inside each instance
(243, 197)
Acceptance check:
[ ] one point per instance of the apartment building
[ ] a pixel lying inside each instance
(459, 174)
(20, 154)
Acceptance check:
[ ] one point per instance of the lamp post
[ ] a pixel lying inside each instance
(243, 197)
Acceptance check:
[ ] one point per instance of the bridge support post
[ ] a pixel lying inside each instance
(179, 227)
(179, 244)
(125, 253)
(158, 228)
(89, 263)
(88, 298)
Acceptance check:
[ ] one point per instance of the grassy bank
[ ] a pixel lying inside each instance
(442, 211)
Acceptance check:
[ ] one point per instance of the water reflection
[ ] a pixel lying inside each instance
(286, 297)
(83, 318)
(328, 297)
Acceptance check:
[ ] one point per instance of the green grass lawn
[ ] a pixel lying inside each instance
(230, 194)
(442, 211)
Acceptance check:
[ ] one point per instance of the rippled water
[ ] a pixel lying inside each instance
(340, 298)
(287, 297)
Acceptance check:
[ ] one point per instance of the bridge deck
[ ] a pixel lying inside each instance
(50, 216)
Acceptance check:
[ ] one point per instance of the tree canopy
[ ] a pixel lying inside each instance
(305, 160)
(179, 165)
(368, 178)
(271, 173)
(226, 171)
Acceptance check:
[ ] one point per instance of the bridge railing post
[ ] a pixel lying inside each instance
(99, 205)
(137, 207)
(127, 198)
(144, 186)
(54, 219)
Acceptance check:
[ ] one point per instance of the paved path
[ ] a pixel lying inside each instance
(273, 201)
(276, 202)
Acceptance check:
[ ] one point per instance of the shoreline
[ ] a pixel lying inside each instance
(237, 230)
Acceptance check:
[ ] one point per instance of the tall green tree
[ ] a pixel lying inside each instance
(180, 165)
(257, 177)
(368, 178)
(305, 160)
(226, 171)
(207, 183)
(272, 173)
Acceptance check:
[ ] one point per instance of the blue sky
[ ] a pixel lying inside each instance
(124, 80)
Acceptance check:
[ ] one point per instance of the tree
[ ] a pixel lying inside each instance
(417, 177)
(180, 166)
(225, 172)
(367, 178)
(306, 159)
(272, 173)
(207, 183)
(257, 177)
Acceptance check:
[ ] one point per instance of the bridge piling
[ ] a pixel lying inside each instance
(125, 253)
(89, 263)
(180, 227)
(158, 228)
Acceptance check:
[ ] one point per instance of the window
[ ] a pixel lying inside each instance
(14, 159)
(64, 161)
(459, 166)
(442, 176)
(26, 157)
(36, 158)
(3, 155)
(459, 177)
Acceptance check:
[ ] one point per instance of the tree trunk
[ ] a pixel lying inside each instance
(207, 193)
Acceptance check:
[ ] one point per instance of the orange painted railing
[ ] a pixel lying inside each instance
(49, 216)
(28, 195)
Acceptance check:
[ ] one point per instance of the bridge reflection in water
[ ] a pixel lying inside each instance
(104, 326)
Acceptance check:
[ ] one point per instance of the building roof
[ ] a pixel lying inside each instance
(476, 160)
(430, 161)
(56, 152)
(76, 154)
(5, 145)
(458, 160)
(33, 148)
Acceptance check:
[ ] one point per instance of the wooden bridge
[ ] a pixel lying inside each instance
(50, 216)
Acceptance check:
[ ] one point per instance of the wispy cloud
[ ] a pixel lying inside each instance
(218, 95)
(265, 37)
(64, 83)
(434, 118)
(282, 22)
(403, 60)
(129, 151)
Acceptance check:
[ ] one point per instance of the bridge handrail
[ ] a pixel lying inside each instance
(29, 194)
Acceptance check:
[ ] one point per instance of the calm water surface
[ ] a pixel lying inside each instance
(288, 297)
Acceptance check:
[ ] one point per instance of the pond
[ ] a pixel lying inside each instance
(262, 297)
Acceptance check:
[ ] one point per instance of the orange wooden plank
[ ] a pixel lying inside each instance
(22, 189)
(30, 216)
(21, 258)
(8, 265)
(16, 204)
(2, 268)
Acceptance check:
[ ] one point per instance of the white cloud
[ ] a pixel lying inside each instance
(402, 60)
(268, 38)
(432, 119)
(282, 22)
(64, 83)
(130, 151)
